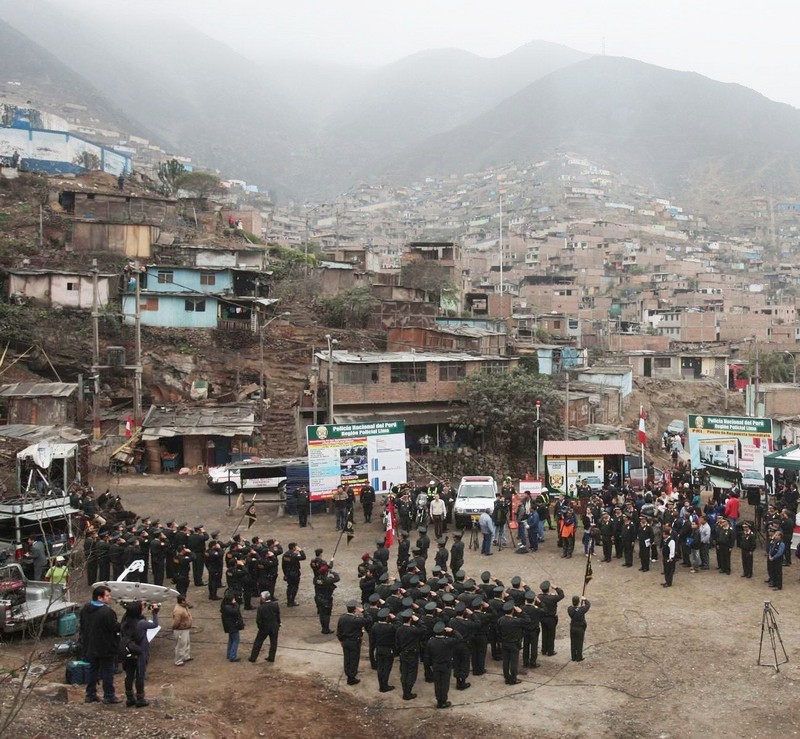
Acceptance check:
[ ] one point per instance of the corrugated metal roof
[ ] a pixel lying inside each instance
(38, 390)
(583, 448)
(30, 432)
(345, 357)
(221, 420)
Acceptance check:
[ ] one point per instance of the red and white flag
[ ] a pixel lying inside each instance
(389, 523)
(642, 432)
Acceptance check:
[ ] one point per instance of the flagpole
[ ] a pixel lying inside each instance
(246, 508)
(641, 441)
(588, 574)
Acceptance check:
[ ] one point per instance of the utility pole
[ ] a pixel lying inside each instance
(331, 342)
(566, 410)
(95, 356)
(137, 370)
(538, 408)
(758, 370)
(500, 194)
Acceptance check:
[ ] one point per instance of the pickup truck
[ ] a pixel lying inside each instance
(24, 603)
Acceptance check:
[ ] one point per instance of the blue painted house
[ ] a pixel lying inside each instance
(192, 297)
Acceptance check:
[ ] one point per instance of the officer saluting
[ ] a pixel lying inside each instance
(350, 631)
(439, 656)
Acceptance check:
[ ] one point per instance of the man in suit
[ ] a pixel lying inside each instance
(268, 621)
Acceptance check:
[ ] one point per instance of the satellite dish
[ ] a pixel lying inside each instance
(43, 455)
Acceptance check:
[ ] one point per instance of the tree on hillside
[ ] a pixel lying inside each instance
(168, 174)
(774, 367)
(349, 309)
(426, 276)
(202, 184)
(502, 408)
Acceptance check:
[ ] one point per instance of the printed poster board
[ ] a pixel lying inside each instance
(730, 448)
(355, 454)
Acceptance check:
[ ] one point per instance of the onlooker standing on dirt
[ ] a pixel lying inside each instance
(182, 628)
(134, 627)
(99, 631)
(232, 624)
(437, 511)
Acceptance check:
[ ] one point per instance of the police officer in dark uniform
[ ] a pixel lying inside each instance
(324, 584)
(403, 552)
(439, 657)
(423, 543)
(442, 555)
(303, 505)
(407, 647)
(116, 556)
(510, 631)
(158, 556)
(457, 552)
(464, 625)
(367, 501)
(215, 558)
(102, 553)
(628, 539)
(748, 546)
(480, 639)
(606, 535)
(350, 632)
(170, 530)
(196, 541)
(577, 626)
(182, 562)
(646, 535)
(383, 633)
(530, 631)
(90, 557)
(381, 556)
(290, 563)
(549, 616)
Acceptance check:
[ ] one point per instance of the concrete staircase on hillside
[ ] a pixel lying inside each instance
(278, 433)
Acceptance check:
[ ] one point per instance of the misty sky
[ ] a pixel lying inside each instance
(751, 43)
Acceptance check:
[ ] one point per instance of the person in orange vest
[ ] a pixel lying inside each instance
(567, 532)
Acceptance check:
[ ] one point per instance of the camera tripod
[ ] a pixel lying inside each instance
(474, 540)
(769, 623)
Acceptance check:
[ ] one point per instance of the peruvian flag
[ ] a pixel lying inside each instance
(642, 432)
(389, 519)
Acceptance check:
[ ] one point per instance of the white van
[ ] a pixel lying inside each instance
(475, 494)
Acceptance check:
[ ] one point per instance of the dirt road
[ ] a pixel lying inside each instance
(659, 662)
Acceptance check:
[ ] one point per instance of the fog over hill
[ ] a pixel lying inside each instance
(309, 131)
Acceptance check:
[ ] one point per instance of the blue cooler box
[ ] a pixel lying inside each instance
(67, 624)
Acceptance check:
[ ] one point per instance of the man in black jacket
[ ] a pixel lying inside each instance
(99, 630)
(350, 632)
(268, 621)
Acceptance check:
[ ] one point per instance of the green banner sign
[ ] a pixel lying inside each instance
(730, 424)
(347, 430)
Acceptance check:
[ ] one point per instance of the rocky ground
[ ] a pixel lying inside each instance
(679, 662)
